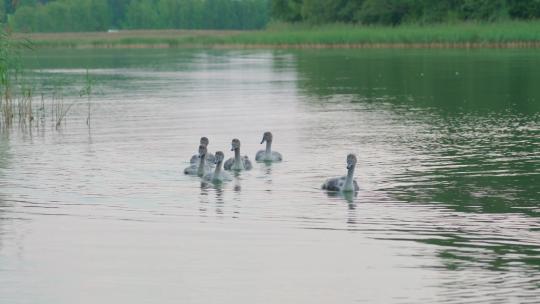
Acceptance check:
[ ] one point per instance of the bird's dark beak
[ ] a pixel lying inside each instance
(232, 148)
(349, 166)
(263, 140)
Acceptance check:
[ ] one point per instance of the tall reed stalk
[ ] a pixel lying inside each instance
(9, 81)
(59, 109)
(87, 91)
(16, 97)
(24, 106)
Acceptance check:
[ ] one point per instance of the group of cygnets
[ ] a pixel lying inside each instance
(202, 164)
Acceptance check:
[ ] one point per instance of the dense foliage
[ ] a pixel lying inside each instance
(393, 12)
(100, 15)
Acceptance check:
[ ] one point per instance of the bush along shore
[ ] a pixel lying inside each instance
(512, 34)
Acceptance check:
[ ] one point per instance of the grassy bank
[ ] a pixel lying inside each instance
(502, 34)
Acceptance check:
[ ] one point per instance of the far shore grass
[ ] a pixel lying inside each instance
(515, 34)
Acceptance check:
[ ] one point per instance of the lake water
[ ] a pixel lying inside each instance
(448, 143)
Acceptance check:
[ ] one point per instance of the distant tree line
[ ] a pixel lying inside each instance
(394, 12)
(101, 15)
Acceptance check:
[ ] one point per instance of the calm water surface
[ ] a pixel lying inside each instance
(449, 166)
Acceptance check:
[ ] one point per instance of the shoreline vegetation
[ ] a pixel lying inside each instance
(20, 104)
(511, 34)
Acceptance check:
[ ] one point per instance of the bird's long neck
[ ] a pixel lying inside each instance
(349, 181)
(217, 172)
(268, 148)
(200, 171)
(237, 160)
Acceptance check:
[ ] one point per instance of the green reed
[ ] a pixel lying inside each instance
(498, 34)
(343, 34)
(17, 93)
(86, 91)
(15, 98)
(59, 109)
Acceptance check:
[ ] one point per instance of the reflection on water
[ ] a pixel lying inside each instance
(447, 82)
(347, 196)
(448, 145)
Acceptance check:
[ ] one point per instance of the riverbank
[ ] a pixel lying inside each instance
(464, 35)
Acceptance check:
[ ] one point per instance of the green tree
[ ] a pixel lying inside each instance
(7, 6)
(117, 10)
(287, 10)
(24, 19)
(524, 9)
(484, 9)
(99, 15)
(3, 13)
(63, 15)
(191, 15)
(394, 12)
(142, 14)
(169, 12)
(59, 11)
(383, 11)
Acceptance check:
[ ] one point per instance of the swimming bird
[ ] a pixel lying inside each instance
(238, 162)
(268, 154)
(344, 183)
(209, 156)
(201, 167)
(218, 176)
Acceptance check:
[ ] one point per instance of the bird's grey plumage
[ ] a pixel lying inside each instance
(228, 164)
(209, 156)
(337, 184)
(245, 162)
(267, 154)
(344, 183)
(209, 159)
(262, 156)
(217, 176)
(237, 162)
(201, 167)
(193, 169)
